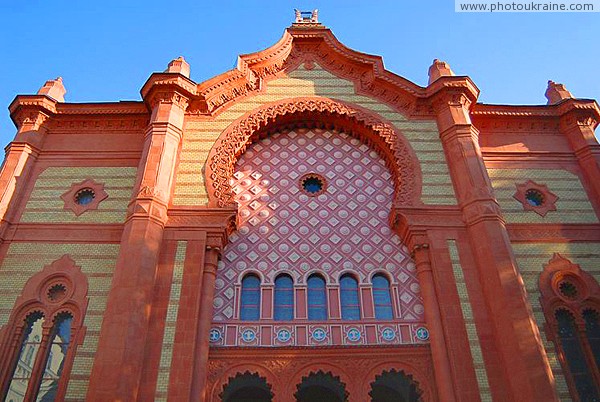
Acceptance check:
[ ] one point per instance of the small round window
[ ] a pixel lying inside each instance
(535, 198)
(57, 292)
(85, 196)
(568, 290)
(313, 184)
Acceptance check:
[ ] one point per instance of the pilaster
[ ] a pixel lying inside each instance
(527, 374)
(117, 371)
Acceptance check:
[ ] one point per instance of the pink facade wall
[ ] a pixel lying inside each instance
(343, 230)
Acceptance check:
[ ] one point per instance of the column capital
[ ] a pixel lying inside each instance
(31, 112)
(579, 113)
(451, 90)
(170, 88)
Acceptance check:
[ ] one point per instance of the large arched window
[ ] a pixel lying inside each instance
(317, 298)
(284, 298)
(349, 298)
(46, 320)
(571, 301)
(250, 305)
(382, 299)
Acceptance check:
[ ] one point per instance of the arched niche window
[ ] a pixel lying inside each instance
(571, 300)
(43, 331)
(250, 305)
(382, 299)
(349, 298)
(284, 298)
(317, 298)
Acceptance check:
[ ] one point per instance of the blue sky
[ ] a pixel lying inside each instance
(105, 50)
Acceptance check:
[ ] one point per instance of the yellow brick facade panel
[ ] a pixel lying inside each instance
(573, 205)
(531, 259)
(46, 206)
(199, 136)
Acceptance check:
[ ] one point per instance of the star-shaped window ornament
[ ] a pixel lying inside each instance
(84, 196)
(536, 197)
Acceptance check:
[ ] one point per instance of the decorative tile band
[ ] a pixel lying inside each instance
(471, 327)
(257, 334)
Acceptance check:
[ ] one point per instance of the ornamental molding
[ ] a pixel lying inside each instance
(368, 127)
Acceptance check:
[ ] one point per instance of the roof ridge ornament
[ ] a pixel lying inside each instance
(306, 18)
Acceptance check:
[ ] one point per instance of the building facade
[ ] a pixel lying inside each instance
(305, 227)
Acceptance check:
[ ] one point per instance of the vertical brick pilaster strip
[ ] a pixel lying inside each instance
(528, 375)
(441, 362)
(118, 366)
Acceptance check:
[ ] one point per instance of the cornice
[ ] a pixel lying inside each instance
(103, 108)
(556, 110)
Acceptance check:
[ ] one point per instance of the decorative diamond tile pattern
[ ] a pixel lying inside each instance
(284, 229)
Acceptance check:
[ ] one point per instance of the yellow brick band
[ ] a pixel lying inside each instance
(471, 327)
(199, 136)
(46, 206)
(572, 205)
(166, 355)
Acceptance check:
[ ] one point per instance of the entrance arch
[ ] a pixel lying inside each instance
(322, 387)
(247, 387)
(314, 112)
(395, 386)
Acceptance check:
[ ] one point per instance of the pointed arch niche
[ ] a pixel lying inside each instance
(45, 327)
(319, 113)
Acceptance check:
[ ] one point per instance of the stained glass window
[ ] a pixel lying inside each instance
(250, 306)
(382, 298)
(317, 298)
(284, 298)
(349, 298)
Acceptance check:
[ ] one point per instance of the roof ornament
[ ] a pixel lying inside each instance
(556, 93)
(307, 17)
(54, 89)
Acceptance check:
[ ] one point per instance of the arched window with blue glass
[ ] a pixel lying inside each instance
(382, 299)
(284, 298)
(250, 304)
(317, 298)
(349, 298)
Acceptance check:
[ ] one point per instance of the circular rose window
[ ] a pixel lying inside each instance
(313, 184)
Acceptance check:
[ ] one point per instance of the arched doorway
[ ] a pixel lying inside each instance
(247, 387)
(322, 387)
(394, 386)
